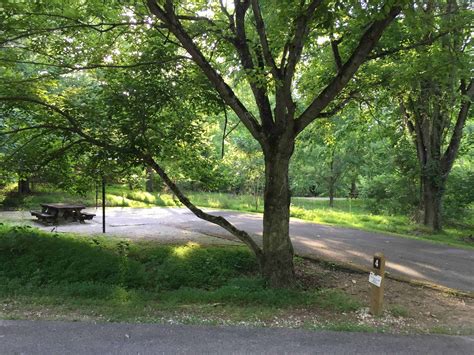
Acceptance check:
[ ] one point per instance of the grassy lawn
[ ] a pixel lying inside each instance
(346, 213)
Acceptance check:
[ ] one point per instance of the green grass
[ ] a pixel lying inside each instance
(129, 281)
(349, 327)
(345, 213)
(397, 225)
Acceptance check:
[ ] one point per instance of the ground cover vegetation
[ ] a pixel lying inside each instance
(221, 95)
(55, 268)
(66, 277)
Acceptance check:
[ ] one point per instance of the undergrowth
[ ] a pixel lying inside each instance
(65, 269)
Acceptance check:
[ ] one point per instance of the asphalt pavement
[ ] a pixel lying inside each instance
(410, 258)
(45, 337)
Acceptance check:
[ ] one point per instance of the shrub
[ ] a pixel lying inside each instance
(459, 195)
(391, 193)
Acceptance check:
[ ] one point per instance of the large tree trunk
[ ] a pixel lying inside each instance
(24, 186)
(432, 196)
(277, 248)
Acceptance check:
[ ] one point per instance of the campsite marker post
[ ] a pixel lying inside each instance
(376, 279)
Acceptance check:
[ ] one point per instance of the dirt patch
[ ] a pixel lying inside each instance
(408, 308)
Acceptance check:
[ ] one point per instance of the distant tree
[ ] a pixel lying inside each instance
(436, 99)
(331, 154)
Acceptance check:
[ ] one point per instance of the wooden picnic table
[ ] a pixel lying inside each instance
(52, 212)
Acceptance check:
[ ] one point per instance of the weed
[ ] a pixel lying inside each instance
(398, 311)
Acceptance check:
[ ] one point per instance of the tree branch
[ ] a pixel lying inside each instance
(337, 56)
(213, 76)
(75, 127)
(232, 129)
(339, 106)
(267, 54)
(18, 149)
(295, 45)
(242, 47)
(229, 17)
(218, 220)
(285, 106)
(30, 128)
(96, 27)
(224, 133)
(414, 132)
(406, 118)
(95, 66)
(367, 42)
(426, 42)
(451, 151)
(422, 140)
(59, 152)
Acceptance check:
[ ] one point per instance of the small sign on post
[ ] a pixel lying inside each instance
(376, 279)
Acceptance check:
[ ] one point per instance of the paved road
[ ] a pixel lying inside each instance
(447, 266)
(42, 337)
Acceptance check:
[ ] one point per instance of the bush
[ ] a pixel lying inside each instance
(459, 195)
(391, 193)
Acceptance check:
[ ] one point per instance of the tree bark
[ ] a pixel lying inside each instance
(331, 192)
(149, 180)
(354, 193)
(277, 248)
(24, 186)
(331, 181)
(432, 195)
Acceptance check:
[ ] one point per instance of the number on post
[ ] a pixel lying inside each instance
(376, 262)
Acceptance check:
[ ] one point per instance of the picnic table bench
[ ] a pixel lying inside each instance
(86, 216)
(53, 212)
(43, 217)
